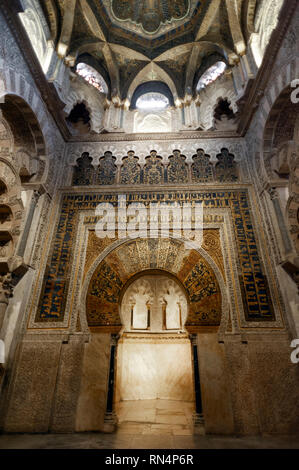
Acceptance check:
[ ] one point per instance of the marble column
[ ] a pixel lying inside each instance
(6, 289)
(198, 417)
(23, 242)
(110, 419)
(183, 115)
(118, 173)
(1, 373)
(280, 219)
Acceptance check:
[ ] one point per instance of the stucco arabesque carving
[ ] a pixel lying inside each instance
(81, 92)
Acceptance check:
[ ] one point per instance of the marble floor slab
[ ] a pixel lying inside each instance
(146, 417)
(137, 441)
(140, 427)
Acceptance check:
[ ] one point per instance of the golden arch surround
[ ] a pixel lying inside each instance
(100, 307)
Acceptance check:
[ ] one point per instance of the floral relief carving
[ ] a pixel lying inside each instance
(226, 168)
(154, 169)
(107, 169)
(202, 168)
(177, 170)
(130, 172)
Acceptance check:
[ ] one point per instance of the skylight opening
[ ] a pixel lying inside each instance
(93, 77)
(210, 75)
(152, 102)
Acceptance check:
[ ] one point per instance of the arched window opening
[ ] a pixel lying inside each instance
(5, 244)
(5, 214)
(14, 111)
(3, 188)
(79, 119)
(153, 96)
(223, 108)
(25, 131)
(152, 102)
(92, 76)
(283, 172)
(25, 176)
(210, 75)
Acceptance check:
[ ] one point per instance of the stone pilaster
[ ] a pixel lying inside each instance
(68, 384)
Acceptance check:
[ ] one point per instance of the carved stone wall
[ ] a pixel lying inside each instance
(31, 154)
(267, 139)
(239, 302)
(94, 384)
(222, 164)
(15, 79)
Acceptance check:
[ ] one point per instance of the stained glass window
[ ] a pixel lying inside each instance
(210, 75)
(152, 102)
(92, 76)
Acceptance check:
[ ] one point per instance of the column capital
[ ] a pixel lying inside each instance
(37, 188)
(114, 339)
(273, 193)
(193, 339)
(7, 284)
(36, 195)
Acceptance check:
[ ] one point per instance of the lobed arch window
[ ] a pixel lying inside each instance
(79, 119)
(3, 188)
(92, 76)
(6, 244)
(211, 75)
(152, 102)
(153, 97)
(5, 214)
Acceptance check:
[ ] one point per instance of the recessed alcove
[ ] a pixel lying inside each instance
(3, 188)
(79, 119)
(6, 244)
(25, 176)
(154, 379)
(5, 214)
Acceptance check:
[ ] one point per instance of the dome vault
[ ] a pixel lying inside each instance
(150, 15)
(122, 37)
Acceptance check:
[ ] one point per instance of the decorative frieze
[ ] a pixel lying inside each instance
(155, 170)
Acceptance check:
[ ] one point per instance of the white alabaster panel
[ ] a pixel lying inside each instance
(148, 371)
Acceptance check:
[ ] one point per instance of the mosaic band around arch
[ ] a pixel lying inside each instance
(256, 297)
